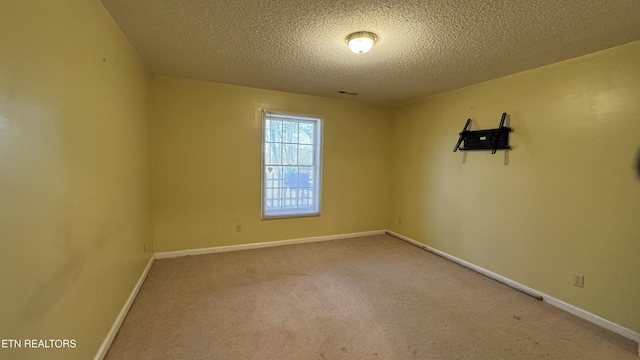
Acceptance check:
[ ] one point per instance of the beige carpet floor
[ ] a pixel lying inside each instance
(372, 297)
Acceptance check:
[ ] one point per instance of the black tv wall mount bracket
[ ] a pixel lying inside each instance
(490, 139)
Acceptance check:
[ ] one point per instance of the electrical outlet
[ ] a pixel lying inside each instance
(399, 220)
(238, 228)
(578, 280)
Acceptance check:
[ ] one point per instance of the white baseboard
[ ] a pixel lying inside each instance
(218, 249)
(102, 352)
(618, 329)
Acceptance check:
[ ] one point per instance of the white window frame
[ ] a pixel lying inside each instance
(290, 210)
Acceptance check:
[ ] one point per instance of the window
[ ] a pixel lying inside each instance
(291, 161)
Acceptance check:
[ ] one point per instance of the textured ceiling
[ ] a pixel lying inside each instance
(424, 47)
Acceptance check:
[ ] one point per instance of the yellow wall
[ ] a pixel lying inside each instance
(74, 174)
(567, 202)
(206, 147)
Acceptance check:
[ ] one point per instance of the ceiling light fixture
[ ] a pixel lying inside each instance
(362, 41)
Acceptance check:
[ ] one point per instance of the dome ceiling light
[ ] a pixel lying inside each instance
(362, 41)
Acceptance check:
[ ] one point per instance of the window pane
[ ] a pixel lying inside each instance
(306, 135)
(273, 176)
(305, 155)
(269, 196)
(290, 176)
(273, 131)
(305, 197)
(290, 132)
(290, 154)
(305, 176)
(273, 153)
